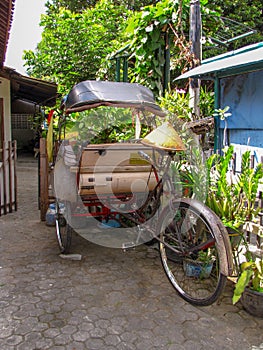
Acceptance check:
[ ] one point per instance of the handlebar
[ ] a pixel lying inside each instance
(146, 157)
(161, 164)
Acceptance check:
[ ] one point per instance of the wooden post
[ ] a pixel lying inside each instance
(167, 59)
(125, 69)
(0, 198)
(43, 179)
(15, 174)
(4, 177)
(118, 69)
(10, 176)
(195, 40)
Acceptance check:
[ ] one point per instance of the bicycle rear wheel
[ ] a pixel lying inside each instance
(63, 229)
(189, 252)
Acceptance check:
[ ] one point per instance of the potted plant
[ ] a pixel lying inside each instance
(200, 267)
(233, 198)
(249, 286)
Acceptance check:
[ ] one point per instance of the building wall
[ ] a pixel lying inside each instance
(22, 131)
(244, 95)
(7, 154)
(22, 117)
(5, 94)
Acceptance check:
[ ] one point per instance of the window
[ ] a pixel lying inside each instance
(21, 121)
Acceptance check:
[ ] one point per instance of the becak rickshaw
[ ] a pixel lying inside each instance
(125, 191)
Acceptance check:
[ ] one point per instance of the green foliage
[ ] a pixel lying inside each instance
(247, 12)
(233, 200)
(146, 33)
(74, 44)
(251, 276)
(72, 5)
(207, 102)
(82, 5)
(247, 184)
(119, 133)
(193, 177)
(103, 125)
(222, 113)
(80, 36)
(176, 104)
(206, 256)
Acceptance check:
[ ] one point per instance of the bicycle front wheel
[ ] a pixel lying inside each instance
(189, 252)
(63, 229)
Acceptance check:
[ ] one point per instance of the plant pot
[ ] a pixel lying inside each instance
(252, 302)
(197, 269)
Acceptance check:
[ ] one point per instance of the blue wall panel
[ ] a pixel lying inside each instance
(247, 137)
(244, 95)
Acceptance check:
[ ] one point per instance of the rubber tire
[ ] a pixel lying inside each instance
(176, 276)
(63, 231)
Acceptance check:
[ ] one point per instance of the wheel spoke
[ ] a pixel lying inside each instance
(189, 254)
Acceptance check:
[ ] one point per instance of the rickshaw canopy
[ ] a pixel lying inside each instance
(91, 94)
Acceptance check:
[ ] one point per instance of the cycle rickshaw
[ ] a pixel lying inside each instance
(123, 194)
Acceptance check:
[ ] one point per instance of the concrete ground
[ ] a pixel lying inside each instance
(109, 300)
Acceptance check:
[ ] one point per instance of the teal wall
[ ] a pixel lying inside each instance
(244, 95)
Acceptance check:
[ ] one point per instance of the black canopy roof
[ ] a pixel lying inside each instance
(90, 94)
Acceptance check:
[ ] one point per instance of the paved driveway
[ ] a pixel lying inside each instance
(109, 300)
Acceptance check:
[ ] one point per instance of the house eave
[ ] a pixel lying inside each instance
(6, 17)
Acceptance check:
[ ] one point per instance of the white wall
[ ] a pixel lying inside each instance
(5, 94)
(7, 179)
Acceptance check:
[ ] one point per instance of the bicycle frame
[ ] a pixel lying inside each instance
(184, 227)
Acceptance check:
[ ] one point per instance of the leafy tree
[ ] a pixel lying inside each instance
(73, 44)
(72, 5)
(81, 5)
(245, 12)
(147, 34)
(77, 46)
(148, 29)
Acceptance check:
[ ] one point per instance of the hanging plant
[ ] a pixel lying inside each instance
(147, 32)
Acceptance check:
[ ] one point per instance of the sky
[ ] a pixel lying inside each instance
(25, 32)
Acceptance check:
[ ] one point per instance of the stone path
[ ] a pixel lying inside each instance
(109, 300)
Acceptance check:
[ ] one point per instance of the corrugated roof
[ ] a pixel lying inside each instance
(30, 89)
(6, 17)
(246, 59)
(22, 87)
(33, 90)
